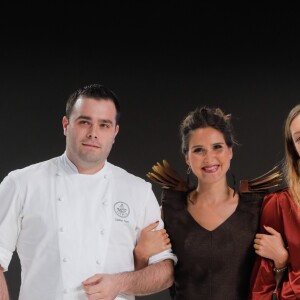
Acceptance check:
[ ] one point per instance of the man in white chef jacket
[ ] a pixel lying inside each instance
(75, 219)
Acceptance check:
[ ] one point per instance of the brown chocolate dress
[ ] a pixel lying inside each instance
(212, 265)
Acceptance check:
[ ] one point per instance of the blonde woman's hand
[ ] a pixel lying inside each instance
(271, 246)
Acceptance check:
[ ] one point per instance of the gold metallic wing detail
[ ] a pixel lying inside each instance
(268, 180)
(167, 177)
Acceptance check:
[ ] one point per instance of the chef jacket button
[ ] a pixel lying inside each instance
(65, 291)
(105, 176)
(60, 198)
(65, 259)
(57, 174)
(102, 231)
(61, 229)
(98, 262)
(104, 202)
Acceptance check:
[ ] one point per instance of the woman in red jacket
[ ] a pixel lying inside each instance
(281, 210)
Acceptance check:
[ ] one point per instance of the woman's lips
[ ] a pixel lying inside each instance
(210, 169)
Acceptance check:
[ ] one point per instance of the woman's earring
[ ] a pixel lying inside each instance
(188, 172)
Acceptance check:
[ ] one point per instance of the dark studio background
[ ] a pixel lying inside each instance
(163, 60)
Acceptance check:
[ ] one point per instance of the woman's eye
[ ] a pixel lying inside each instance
(198, 150)
(297, 140)
(217, 147)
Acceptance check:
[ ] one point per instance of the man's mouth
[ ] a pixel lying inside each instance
(91, 145)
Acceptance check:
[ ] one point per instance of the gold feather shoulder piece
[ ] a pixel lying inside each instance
(269, 180)
(167, 177)
(164, 175)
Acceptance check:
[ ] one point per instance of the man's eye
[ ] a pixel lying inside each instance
(83, 122)
(105, 125)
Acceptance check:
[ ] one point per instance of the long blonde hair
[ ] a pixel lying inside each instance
(292, 159)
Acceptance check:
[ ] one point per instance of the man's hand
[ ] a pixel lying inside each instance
(103, 286)
(149, 280)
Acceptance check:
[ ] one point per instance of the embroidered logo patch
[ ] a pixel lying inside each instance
(122, 209)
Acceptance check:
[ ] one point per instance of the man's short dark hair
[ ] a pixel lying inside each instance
(94, 91)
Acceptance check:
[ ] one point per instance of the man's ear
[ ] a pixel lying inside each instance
(65, 123)
(117, 130)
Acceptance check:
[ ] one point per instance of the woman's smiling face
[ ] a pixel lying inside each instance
(208, 155)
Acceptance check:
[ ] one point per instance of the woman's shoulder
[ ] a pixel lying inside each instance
(171, 195)
(267, 198)
(280, 197)
(249, 199)
(252, 196)
(284, 192)
(275, 206)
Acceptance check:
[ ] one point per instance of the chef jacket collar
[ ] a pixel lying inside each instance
(70, 168)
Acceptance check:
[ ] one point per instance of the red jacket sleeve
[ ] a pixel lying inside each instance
(279, 212)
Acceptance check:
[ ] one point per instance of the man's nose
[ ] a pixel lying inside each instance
(93, 131)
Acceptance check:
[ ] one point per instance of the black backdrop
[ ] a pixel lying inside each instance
(162, 60)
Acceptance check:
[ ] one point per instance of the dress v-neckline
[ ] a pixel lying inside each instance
(221, 224)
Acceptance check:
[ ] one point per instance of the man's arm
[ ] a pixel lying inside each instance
(149, 280)
(3, 286)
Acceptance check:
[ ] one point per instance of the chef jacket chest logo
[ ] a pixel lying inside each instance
(122, 209)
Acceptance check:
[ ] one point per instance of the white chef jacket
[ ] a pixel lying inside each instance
(68, 226)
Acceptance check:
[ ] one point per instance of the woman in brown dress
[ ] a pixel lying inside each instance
(211, 227)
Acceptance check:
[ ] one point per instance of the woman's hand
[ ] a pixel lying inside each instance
(271, 246)
(151, 242)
